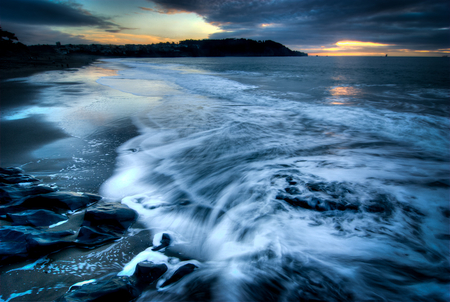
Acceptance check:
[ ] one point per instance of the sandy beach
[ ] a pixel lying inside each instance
(47, 277)
(252, 178)
(28, 64)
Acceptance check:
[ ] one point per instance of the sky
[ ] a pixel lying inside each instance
(318, 27)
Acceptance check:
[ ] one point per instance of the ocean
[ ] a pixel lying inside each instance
(280, 178)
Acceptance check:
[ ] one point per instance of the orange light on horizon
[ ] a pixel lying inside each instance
(122, 38)
(346, 53)
(360, 44)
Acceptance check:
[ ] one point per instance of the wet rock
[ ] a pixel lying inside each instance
(165, 242)
(5, 197)
(381, 204)
(11, 171)
(110, 216)
(32, 207)
(180, 273)
(374, 208)
(58, 202)
(294, 201)
(314, 203)
(15, 176)
(291, 180)
(90, 237)
(109, 288)
(24, 241)
(14, 193)
(317, 187)
(147, 272)
(34, 190)
(36, 218)
(292, 190)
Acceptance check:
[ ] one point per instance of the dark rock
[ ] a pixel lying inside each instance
(180, 273)
(24, 241)
(11, 171)
(375, 208)
(336, 206)
(90, 237)
(109, 288)
(165, 242)
(35, 190)
(291, 180)
(352, 207)
(317, 187)
(317, 204)
(13, 193)
(114, 216)
(320, 205)
(294, 201)
(36, 218)
(292, 190)
(147, 272)
(15, 176)
(382, 204)
(59, 202)
(5, 197)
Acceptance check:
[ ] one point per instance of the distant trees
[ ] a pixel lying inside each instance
(8, 35)
(7, 45)
(237, 47)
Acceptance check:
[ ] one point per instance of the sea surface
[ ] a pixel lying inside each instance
(281, 179)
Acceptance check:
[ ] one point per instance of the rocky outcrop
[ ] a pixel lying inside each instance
(180, 273)
(110, 217)
(29, 212)
(116, 288)
(109, 288)
(33, 221)
(22, 242)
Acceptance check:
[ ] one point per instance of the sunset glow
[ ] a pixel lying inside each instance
(359, 44)
(364, 29)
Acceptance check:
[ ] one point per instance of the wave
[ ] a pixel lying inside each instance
(283, 199)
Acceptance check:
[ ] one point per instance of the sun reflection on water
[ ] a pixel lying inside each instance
(344, 90)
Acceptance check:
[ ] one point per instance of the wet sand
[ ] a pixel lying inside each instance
(20, 139)
(45, 148)
(26, 65)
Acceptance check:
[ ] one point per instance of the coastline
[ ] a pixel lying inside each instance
(24, 65)
(47, 275)
(65, 140)
(323, 218)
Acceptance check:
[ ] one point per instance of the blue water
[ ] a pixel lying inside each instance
(292, 178)
(282, 179)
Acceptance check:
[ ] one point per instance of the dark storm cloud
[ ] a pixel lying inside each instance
(41, 12)
(32, 35)
(409, 23)
(31, 20)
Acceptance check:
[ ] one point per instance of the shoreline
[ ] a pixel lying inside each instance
(59, 148)
(51, 258)
(28, 64)
(56, 271)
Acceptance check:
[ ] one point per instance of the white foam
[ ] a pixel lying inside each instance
(209, 164)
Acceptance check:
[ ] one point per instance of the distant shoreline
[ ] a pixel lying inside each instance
(186, 48)
(19, 60)
(24, 65)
